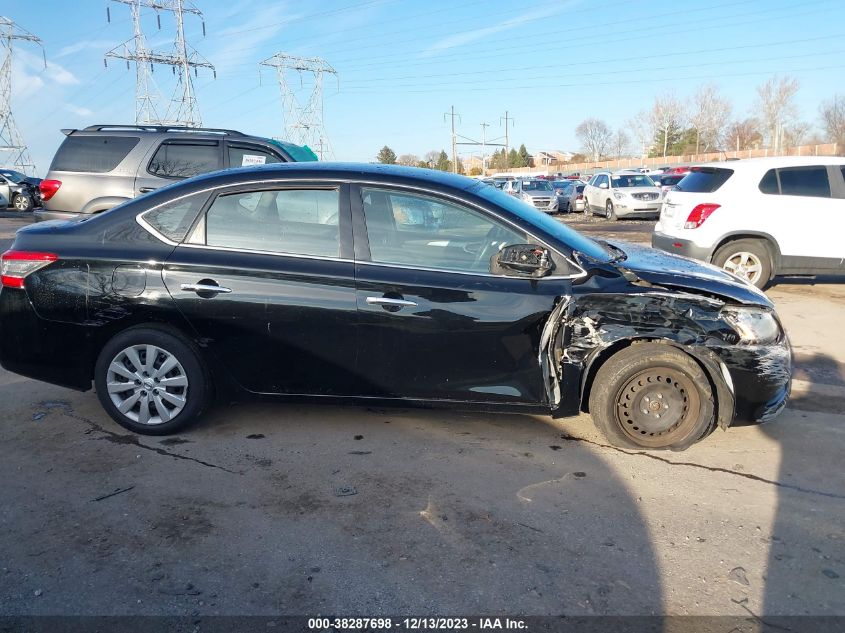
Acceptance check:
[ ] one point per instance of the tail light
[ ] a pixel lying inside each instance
(49, 188)
(16, 265)
(699, 214)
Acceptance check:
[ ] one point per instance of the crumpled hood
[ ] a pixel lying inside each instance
(665, 269)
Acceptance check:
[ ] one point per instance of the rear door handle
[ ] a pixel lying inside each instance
(387, 301)
(198, 288)
(147, 189)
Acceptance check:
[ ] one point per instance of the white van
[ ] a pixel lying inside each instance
(759, 217)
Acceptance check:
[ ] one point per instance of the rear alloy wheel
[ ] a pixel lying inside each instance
(22, 202)
(747, 259)
(652, 396)
(609, 211)
(150, 381)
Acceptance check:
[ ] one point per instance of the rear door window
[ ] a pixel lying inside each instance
(249, 156)
(704, 179)
(179, 159)
(92, 154)
(294, 221)
(804, 181)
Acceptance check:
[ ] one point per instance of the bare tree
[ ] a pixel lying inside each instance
(833, 120)
(595, 136)
(743, 134)
(667, 117)
(620, 143)
(431, 157)
(408, 159)
(776, 107)
(643, 130)
(796, 133)
(709, 115)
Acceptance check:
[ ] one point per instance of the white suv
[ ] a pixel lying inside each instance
(759, 217)
(621, 195)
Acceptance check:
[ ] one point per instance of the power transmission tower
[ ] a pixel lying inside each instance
(303, 122)
(14, 150)
(183, 108)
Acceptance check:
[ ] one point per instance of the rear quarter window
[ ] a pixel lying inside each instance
(92, 154)
(704, 180)
(173, 219)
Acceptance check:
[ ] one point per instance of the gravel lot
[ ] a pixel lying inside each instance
(284, 509)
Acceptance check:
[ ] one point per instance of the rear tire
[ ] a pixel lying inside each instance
(151, 381)
(749, 259)
(652, 396)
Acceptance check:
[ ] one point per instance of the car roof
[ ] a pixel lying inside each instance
(775, 161)
(333, 171)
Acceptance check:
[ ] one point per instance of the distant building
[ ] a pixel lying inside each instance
(547, 158)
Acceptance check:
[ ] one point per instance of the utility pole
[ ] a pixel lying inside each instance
(183, 108)
(303, 124)
(11, 142)
(484, 127)
(506, 118)
(454, 139)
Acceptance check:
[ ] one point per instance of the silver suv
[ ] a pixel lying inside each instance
(102, 166)
(538, 193)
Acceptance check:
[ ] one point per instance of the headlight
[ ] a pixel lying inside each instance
(754, 325)
(618, 195)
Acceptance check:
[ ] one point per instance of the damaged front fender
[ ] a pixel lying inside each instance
(584, 331)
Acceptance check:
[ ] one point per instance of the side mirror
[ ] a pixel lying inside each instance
(603, 185)
(529, 260)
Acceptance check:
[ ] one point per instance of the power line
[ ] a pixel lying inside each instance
(625, 71)
(11, 141)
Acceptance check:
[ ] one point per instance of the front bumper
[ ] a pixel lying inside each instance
(678, 246)
(631, 208)
(761, 377)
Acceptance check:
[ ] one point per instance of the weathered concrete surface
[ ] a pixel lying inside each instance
(249, 513)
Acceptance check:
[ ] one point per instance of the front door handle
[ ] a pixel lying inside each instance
(147, 189)
(205, 288)
(387, 301)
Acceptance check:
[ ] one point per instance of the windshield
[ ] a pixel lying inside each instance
(634, 180)
(14, 176)
(545, 224)
(536, 185)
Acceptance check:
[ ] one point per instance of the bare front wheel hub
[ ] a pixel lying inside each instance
(653, 405)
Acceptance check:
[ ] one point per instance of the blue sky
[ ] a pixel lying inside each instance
(402, 63)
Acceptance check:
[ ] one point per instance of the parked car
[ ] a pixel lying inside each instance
(759, 217)
(302, 280)
(576, 202)
(683, 169)
(102, 166)
(18, 190)
(622, 195)
(666, 181)
(537, 193)
(561, 188)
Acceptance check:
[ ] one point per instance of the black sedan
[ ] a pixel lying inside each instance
(371, 283)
